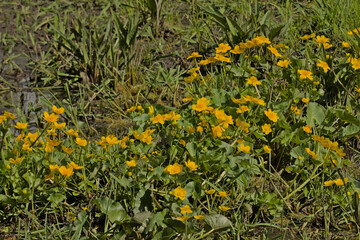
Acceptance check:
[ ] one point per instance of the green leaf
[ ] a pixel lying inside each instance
(141, 217)
(112, 209)
(56, 198)
(346, 117)
(218, 222)
(350, 131)
(315, 113)
(191, 149)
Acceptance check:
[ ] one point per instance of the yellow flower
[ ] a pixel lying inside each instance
(191, 165)
(329, 183)
(311, 153)
(346, 44)
(183, 218)
(306, 37)
(199, 217)
(17, 160)
(244, 149)
(186, 209)
(72, 132)
(180, 193)
(222, 48)
(188, 98)
(355, 63)
(274, 51)
(221, 194)
(194, 70)
(271, 115)
(131, 163)
(202, 105)
(222, 58)
(224, 208)
(267, 149)
(244, 126)
(194, 55)
(307, 129)
(75, 166)
(253, 81)
(217, 131)
(199, 129)
(266, 128)
(357, 89)
(20, 125)
(58, 110)
(321, 39)
(172, 116)
(158, 119)
(211, 191)
(305, 74)
(242, 109)
(132, 109)
(260, 40)
(49, 176)
(237, 50)
(341, 182)
(67, 172)
(354, 31)
(59, 125)
(305, 100)
(323, 65)
(9, 115)
(284, 63)
(54, 167)
(67, 150)
(295, 109)
(174, 169)
(81, 142)
(50, 118)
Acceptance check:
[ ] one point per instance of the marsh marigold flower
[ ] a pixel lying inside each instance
(224, 208)
(183, 218)
(323, 65)
(221, 194)
(307, 129)
(274, 51)
(222, 48)
(180, 193)
(186, 209)
(329, 183)
(131, 163)
(346, 44)
(355, 62)
(58, 110)
(244, 149)
(67, 172)
(67, 150)
(217, 131)
(266, 128)
(341, 182)
(50, 118)
(191, 165)
(194, 55)
(267, 149)
(271, 115)
(158, 119)
(283, 63)
(311, 153)
(305, 74)
(306, 37)
(305, 100)
(81, 142)
(17, 160)
(202, 105)
(20, 125)
(210, 191)
(174, 169)
(253, 81)
(199, 217)
(75, 166)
